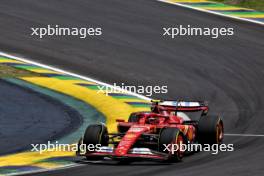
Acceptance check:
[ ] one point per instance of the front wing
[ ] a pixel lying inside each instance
(136, 153)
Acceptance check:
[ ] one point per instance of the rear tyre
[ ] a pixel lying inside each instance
(170, 136)
(210, 130)
(95, 134)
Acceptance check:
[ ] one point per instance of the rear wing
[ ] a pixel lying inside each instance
(179, 105)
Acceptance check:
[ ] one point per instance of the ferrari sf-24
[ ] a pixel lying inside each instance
(149, 135)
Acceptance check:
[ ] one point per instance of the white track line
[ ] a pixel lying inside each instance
(244, 135)
(70, 73)
(212, 12)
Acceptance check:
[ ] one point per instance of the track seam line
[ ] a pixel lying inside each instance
(244, 135)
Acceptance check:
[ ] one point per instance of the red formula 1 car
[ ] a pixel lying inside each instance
(149, 135)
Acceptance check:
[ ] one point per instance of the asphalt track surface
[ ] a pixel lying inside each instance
(228, 72)
(29, 118)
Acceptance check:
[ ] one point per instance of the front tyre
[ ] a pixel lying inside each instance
(170, 137)
(95, 134)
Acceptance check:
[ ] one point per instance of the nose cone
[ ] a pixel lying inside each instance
(129, 139)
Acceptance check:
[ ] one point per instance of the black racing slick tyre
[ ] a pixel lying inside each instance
(168, 137)
(210, 130)
(95, 134)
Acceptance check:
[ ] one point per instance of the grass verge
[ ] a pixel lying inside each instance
(10, 72)
(251, 4)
